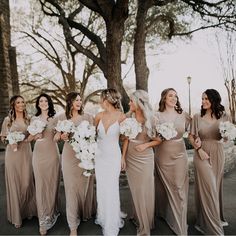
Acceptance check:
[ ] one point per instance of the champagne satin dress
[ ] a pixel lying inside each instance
(20, 189)
(209, 176)
(172, 182)
(140, 174)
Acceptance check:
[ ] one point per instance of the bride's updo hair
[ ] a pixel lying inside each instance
(113, 97)
(141, 99)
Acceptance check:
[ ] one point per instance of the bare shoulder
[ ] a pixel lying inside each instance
(98, 117)
(122, 117)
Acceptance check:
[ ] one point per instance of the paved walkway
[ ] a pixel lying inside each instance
(30, 227)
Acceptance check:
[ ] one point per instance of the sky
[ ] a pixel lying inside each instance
(198, 59)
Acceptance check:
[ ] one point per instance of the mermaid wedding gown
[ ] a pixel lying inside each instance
(107, 171)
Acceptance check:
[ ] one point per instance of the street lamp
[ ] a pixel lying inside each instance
(189, 95)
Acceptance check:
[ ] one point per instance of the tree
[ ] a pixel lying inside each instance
(227, 52)
(170, 17)
(175, 17)
(55, 69)
(114, 15)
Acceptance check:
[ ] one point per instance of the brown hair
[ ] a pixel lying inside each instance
(70, 98)
(113, 97)
(12, 112)
(162, 105)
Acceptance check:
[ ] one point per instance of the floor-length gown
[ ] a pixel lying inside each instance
(140, 174)
(46, 166)
(209, 176)
(172, 180)
(107, 171)
(20, 189)
(79, 189)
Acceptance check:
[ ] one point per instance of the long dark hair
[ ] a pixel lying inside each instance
(162, 105)
(12, 111)
(70, 98)
(51, 110)
(217, 108)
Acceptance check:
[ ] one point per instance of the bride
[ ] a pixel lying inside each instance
(108, 163)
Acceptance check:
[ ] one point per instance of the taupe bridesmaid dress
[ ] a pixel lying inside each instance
(20, 190)
(209, 176)
(46, 167)
(79, 189)
(140, 174)
(172, 182)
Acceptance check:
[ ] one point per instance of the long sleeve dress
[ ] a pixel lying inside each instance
(209, 175)
(79, 189)
(140, 174)
(20, 189)
(46, 167)
(172, 180)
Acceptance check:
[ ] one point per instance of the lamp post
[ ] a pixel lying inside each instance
(189, 95)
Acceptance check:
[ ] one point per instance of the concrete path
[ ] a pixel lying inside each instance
(30, 227)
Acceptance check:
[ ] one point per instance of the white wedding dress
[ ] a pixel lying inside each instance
(107, 171)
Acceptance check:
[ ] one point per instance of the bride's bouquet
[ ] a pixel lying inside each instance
(166, 131)
(36, 127)
(65, 126)
(227, 130)
(14, 138)
(130, 127)
(84, 144)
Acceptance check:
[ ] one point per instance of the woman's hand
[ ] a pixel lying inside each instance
(38, 136)
(197, 143)
(123, 164)
(141, 147)
(202, 154)
(64, 136)
(57, 137)
(14, 147)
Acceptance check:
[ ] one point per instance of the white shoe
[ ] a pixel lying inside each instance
(224, 223)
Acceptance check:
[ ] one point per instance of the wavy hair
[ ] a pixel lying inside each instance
(113, 97)
(141, 99)
(162, 105)
(217, 108)
(70, 98)
(12, 111)
(51, 110)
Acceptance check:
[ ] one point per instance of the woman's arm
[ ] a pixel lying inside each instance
(124, 150)
(144, 146)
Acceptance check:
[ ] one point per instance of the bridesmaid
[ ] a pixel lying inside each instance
(46, 165)
(172, 165)
(79, 189)
(209, 164)
(18, 166)
(138, 159)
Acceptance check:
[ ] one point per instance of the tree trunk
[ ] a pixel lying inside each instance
(140, 63)
(115, 32)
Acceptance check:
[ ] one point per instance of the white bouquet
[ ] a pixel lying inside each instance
(65, 126)
(14, 138)
(227, 130)
(84, 144)
(166, 131)
(36, 127)
(130, 127)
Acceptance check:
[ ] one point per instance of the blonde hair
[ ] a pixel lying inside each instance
(113, 97)
(141, 99)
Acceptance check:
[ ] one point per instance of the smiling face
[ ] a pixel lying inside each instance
(77, 103)
(19, 105)
(171, 99)
(43, 104)
(206, 104)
